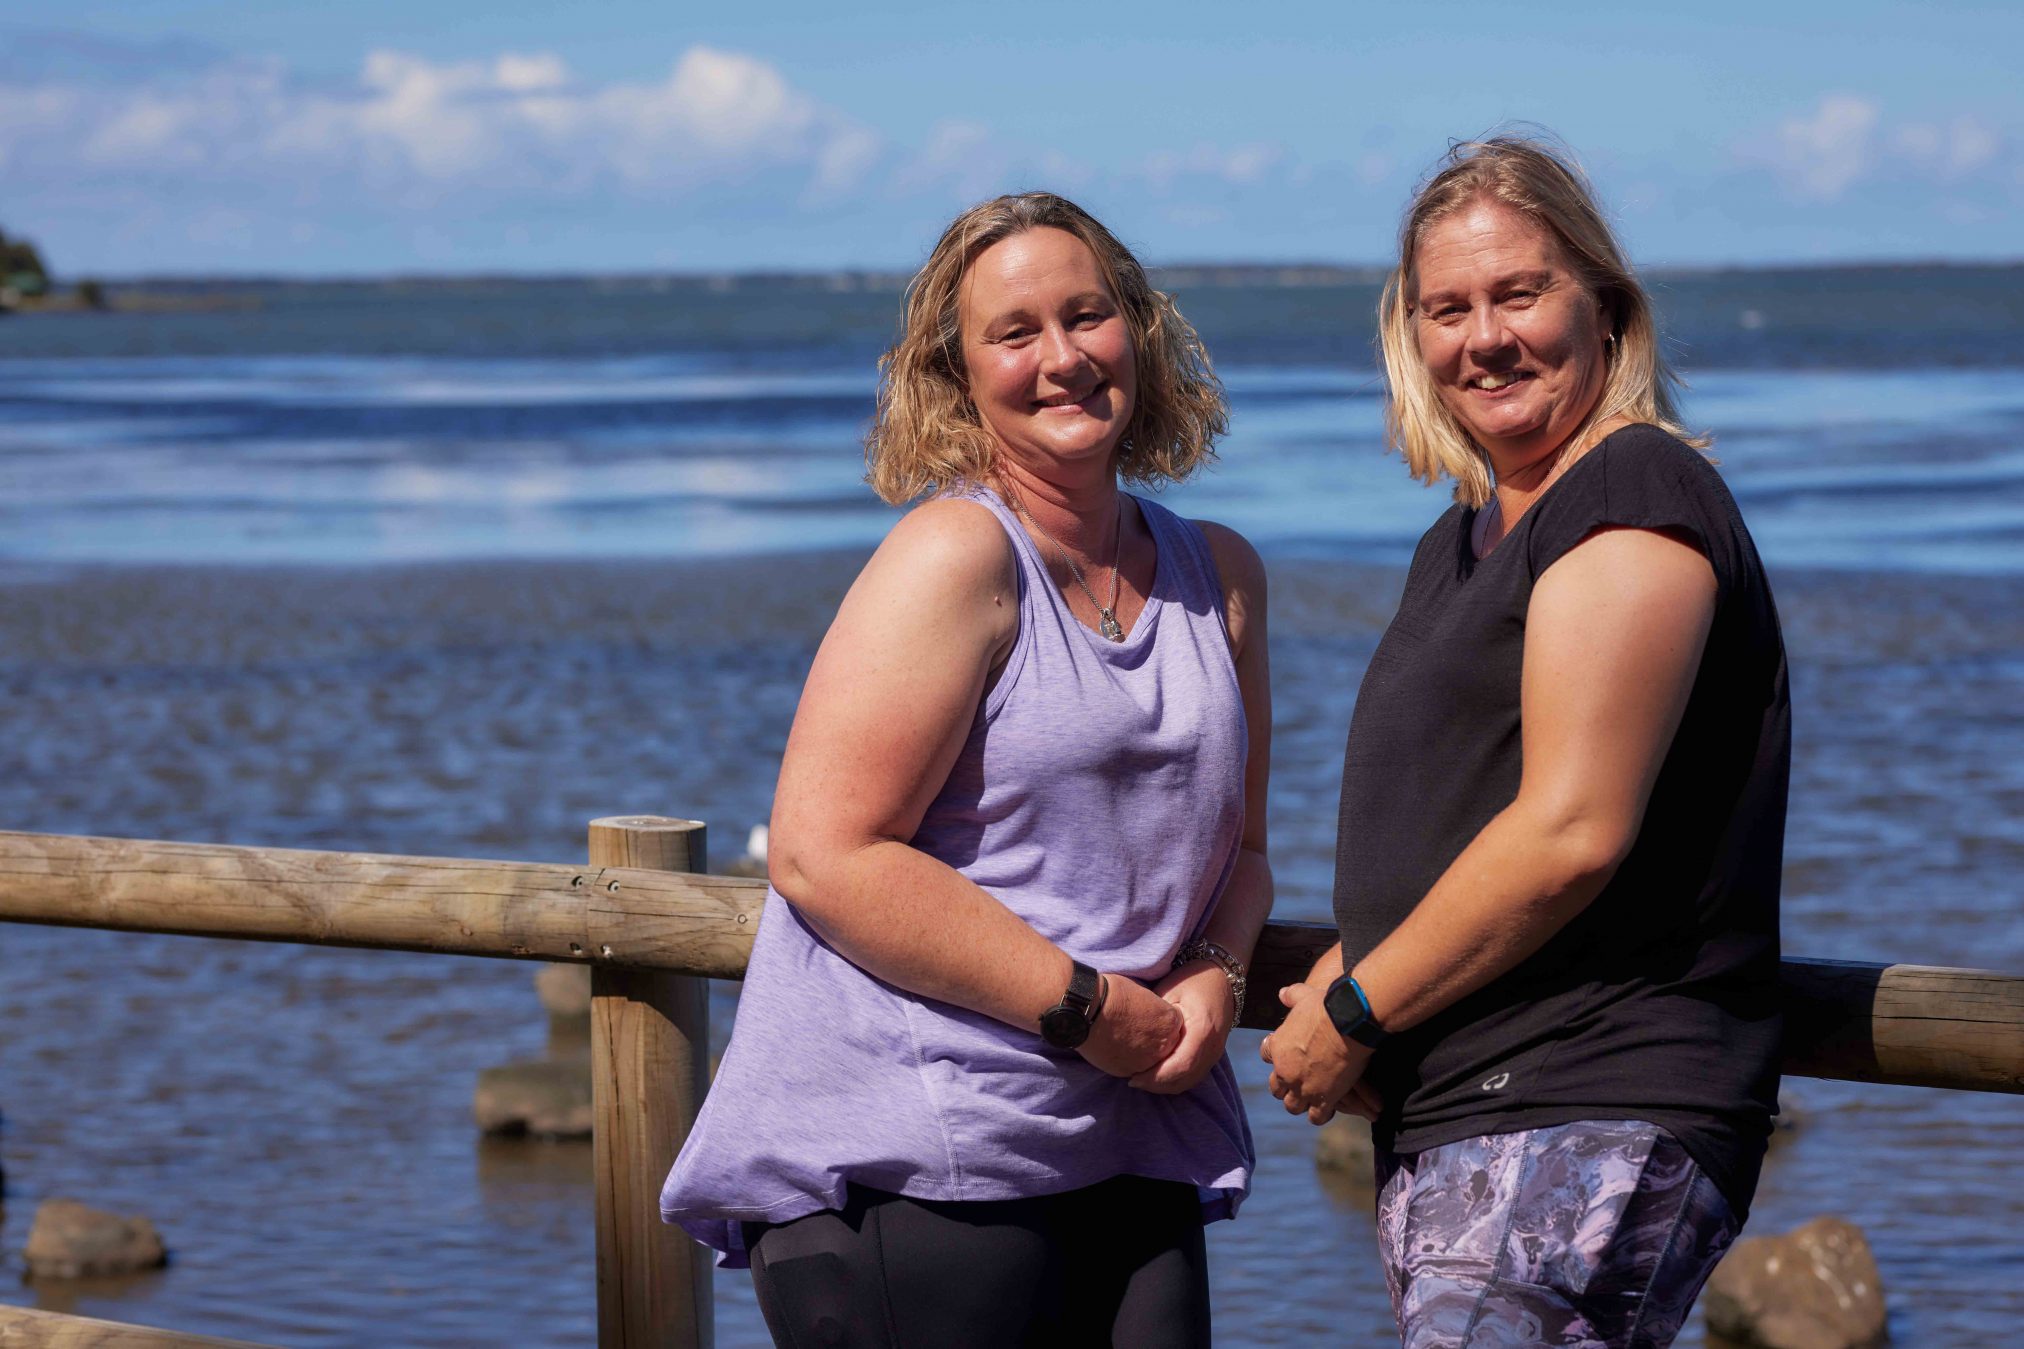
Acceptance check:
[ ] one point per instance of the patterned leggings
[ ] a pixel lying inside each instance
(1593, 1235)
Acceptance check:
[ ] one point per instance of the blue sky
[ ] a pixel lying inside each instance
(447, 135)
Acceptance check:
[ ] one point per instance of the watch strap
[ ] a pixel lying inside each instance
(1348, 1006)
(1083, 985)
(1067, 1023)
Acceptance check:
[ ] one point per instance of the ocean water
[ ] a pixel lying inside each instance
(452, 570)
(1866, 418)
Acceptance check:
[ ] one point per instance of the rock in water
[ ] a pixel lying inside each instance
(564, 990)
(1816, 1287)
(1343, 1148)
(69, 1241)
(548, 1097)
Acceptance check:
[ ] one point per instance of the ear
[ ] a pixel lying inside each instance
(951, 362)
(1609, 304)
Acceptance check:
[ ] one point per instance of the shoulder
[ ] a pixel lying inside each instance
(1653, 458)
(1237, 562)
(1641, 478)
(1449, 523)
(949, 540)
(1645, 438)
(948, 555)
(1242, 574)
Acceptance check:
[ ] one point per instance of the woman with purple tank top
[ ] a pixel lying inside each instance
(977, 1092)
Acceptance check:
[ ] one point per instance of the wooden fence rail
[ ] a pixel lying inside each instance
(653, 928)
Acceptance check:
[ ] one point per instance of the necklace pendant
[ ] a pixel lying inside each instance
(1108, 625)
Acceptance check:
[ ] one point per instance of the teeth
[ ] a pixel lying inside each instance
(1496, 381)
(1063, 400)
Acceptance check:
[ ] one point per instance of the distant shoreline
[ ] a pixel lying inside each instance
(142, 298)
(848, 280)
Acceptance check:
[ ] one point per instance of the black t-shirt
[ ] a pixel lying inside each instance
(1659, 1001)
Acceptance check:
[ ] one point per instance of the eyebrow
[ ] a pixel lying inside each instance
(1537, 278)
(1023, 313)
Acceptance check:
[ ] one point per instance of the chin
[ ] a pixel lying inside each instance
(1510, 430)
(1081, 442)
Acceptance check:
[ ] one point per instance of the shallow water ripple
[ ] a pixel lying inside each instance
(297, 1120)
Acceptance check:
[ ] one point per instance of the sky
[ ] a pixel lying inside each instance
(444, 136)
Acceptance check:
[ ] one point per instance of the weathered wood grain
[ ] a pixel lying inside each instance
(1915, 1025)
(1907, 1024)
(27, 1328)
(528, 910)
(650, 1053)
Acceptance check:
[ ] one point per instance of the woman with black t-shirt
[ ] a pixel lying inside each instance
(1563, 803)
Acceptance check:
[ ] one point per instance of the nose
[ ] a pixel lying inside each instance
(1487, 333)
(1060, 355)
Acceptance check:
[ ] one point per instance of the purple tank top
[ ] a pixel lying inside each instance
(1100, 796)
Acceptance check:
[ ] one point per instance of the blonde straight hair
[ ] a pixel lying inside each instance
(925, 436)
(1542, 182)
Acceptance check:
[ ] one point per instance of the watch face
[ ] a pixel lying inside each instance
(1064, 1027)
(1344, 1008)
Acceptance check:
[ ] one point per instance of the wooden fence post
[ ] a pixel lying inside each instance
(650, 1050)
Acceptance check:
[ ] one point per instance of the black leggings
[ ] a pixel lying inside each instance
(1121, 1262)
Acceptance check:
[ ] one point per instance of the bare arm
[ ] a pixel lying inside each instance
(1613, 639)
(1200, 988)
(887, 706)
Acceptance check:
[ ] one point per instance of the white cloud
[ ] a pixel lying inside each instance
(415, 126)
(961, 160)
(1240, 165)
(1829, 149)
(722, 112)
(1957, 149)
(1374, 166)
(844, 160)
(1845, 141)
(526, 74)
(145, 127)
(430, 156)
(428, 113)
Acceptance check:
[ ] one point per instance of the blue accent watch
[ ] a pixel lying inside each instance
(1349, 1008)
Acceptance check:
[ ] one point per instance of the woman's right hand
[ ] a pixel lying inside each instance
(1136, 1029)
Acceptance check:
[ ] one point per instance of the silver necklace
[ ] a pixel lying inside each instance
(1106, 615)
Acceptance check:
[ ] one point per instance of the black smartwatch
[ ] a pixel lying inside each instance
(1066, 1024)
(1349, 1009)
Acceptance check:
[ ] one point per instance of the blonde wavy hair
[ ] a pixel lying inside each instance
(1543, 182)
(926, 437)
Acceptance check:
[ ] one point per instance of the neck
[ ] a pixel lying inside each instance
(1081, 512)
(1522, 479)
(1520, 483)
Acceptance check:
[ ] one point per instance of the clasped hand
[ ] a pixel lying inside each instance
(1165, 1038)
(1313, 1068)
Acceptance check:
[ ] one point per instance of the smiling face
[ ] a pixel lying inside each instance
(1511, 338)
(1047, 352)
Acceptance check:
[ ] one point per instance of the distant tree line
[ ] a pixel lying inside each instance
(21, 268)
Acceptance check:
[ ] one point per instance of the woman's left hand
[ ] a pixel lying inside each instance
(1208, 1010)
(1313, 1067)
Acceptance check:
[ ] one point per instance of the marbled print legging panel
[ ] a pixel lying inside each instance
(1579, 1236)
